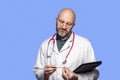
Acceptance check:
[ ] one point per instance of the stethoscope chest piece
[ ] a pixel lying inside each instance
(64, 62)
(48, 56)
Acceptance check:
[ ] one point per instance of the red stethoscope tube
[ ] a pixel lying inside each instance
(52, 39)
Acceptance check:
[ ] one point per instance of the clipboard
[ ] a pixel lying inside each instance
(86, 67)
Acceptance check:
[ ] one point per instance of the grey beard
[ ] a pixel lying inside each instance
(62, 35)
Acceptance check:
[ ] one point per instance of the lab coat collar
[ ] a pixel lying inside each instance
(66, 46)
(68, 43)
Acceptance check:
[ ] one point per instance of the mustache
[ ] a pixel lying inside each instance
(61, 29)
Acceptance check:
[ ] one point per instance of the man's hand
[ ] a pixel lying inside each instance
(48, 70)
(68, 75)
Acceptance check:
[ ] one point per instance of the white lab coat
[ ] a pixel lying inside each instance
(82, 52)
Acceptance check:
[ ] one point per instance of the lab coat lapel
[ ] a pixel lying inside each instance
(55, 49)
(67, 44)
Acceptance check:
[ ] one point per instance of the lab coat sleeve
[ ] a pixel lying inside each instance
(89, 57)
(39, 65)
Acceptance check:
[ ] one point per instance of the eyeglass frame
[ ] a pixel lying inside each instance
(69, 24)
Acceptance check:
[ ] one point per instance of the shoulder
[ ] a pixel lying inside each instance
(46, 41)
(82, 40)
(49, 40)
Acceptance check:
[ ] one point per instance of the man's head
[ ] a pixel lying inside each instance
(65, 22)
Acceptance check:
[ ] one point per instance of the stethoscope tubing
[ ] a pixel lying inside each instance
(52, 39)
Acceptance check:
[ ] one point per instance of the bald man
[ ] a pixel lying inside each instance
(63, 52)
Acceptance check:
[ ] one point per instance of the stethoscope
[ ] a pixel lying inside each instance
(52, 39)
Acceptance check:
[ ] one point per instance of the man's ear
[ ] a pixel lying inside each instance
(74, 24)
(56, 18)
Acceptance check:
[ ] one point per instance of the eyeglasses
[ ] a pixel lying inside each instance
(69, 24)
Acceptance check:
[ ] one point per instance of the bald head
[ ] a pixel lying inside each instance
(65, 22)
(67, 13)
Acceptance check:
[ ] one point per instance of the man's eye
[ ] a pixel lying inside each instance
(61, 21)
(69, 24)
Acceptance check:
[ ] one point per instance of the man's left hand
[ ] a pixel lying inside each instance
(68, 74)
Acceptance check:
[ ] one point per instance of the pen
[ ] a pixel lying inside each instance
(54, 67)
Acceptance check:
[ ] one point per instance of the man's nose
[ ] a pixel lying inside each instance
(64, 26)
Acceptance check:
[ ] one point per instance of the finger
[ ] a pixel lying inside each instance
(48, 70)
(48, 73)
(64, 74)
(50, 66)
(68, 73)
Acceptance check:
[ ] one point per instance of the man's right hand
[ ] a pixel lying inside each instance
(48, 70)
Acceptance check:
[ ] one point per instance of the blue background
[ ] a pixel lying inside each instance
(24, 24)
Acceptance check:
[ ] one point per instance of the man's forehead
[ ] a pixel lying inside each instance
(66, 14)
(66, 17)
